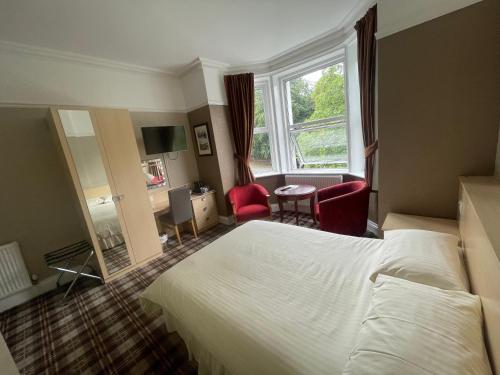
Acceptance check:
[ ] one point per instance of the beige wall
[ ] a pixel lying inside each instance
(181, 168)
(38, 204)
(438, 109)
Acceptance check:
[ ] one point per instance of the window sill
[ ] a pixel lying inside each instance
(358, 174)
(318, 171)
(267, 174)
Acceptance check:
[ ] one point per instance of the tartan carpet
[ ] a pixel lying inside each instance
(101, 329)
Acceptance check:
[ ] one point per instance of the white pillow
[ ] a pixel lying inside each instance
(422, 256)
(412, 328)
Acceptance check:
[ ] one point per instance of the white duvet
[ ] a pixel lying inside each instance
(269, 298)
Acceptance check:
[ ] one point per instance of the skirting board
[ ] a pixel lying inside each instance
(226, 220)
(25, 295)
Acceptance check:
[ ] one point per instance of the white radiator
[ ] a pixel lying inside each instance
(317, 181)
(13, 273)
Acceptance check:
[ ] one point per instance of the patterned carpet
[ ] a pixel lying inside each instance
(101, 329)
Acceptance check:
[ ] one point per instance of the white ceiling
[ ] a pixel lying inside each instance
(168, 34)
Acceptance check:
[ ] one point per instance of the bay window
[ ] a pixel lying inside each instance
(315, 118)
(307, 116)
(261, 160)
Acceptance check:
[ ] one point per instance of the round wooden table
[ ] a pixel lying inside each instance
(296, 193)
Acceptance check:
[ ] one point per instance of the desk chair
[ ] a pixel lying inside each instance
(180, 211)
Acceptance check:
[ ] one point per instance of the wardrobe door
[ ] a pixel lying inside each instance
(118, 139)
(91, 176)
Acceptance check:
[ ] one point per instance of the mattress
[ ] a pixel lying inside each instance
(269, 298)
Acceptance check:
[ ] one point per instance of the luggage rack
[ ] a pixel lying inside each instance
(60, 260)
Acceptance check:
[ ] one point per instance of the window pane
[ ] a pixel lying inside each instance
(261, 154)
(260, 119)
(321, 148)
(317, 95)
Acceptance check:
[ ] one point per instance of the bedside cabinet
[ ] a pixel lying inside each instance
(401, 221)
(205, 211)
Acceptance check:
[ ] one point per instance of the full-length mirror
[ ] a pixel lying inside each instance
(77, 125)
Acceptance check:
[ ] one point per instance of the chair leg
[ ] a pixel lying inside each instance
(178, 235)
(194, 229)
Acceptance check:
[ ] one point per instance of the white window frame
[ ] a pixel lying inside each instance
(336, 57)
(264, 83)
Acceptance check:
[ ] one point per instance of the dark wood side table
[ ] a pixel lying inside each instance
(296, 193)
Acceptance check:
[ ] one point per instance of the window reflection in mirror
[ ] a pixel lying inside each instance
(154, 173)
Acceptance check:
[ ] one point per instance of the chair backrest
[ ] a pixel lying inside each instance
(180, 205)
(247, 194)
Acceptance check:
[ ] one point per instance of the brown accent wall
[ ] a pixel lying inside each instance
(208, 165)
(438, 109)
(181, 167)
(38, 206)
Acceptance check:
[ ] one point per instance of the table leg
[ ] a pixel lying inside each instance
(280, 203)
(313, 214)
(297, 211)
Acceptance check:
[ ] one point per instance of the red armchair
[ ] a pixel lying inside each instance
(249, 202)
(343, 208)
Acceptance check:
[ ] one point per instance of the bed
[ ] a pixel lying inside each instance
(270, 298)
(262, 275)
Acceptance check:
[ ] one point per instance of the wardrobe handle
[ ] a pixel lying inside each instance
(118, 198)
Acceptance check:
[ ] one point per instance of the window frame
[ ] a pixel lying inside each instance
(264, 83)
(338, 56)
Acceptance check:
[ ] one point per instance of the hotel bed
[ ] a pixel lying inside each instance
(270, 298)
(258, 301)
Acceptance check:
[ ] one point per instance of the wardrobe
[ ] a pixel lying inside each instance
(100, 150)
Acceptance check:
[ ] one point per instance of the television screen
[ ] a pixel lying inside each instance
(159, 139)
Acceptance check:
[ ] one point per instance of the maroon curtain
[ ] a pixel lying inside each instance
(366, 28)
(240, 98)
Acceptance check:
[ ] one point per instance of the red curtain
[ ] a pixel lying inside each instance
(367, 44)
(240, 97)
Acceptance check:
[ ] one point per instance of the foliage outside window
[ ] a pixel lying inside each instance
(316, 112)
(261, 161)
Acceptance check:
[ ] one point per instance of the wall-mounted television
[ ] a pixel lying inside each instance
(159, 139)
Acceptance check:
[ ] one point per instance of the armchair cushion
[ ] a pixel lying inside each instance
(249, 202)
(252, 211)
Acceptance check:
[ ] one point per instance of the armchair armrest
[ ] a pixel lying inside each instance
(332, 192)
(345, 214)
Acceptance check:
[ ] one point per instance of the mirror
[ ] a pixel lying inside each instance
(154, 172)
(87, 158)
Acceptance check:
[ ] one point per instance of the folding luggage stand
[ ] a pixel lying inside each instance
(64, 256)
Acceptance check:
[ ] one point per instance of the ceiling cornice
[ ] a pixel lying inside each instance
(199, 63)
(312, 47)
(78, 58)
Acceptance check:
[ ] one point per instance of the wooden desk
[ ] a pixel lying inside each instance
(401, 221)
(204, 207)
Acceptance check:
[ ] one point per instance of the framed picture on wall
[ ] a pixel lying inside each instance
(203, 139)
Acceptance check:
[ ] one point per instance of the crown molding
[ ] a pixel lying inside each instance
(310, 48)
(417, 17)
(200, 63)
(316, 46)
(25, 49)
